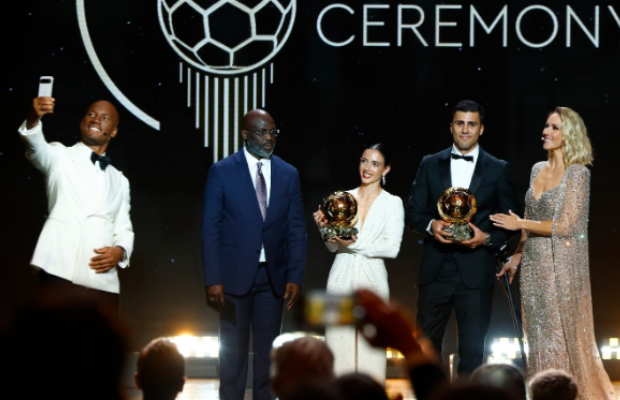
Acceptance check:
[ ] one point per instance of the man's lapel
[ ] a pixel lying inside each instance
(112, 187)
(276, 187)
(444, 168)
(476, 178)
(87, 185)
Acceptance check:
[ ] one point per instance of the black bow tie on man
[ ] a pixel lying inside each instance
(104, 161)
(462, 157)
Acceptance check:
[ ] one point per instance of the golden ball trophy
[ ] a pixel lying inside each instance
(457, 206)
(341, 211)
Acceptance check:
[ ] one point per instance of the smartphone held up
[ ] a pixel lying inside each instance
(324, 309)
(45, 86)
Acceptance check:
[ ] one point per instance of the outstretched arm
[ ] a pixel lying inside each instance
(38, 151)
(512, 222)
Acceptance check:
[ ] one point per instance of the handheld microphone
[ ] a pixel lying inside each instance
(501, 253)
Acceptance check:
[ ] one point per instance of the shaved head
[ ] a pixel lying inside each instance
(254, 119)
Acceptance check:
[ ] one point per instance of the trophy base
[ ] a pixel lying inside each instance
(343, 232)
(460, 232)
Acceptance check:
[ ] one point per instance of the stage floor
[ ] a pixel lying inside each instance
(207, 389)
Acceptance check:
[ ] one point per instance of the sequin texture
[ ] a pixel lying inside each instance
(555, 286)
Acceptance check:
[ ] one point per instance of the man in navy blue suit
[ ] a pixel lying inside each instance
(253, 251)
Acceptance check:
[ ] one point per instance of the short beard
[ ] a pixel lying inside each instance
(257, 150)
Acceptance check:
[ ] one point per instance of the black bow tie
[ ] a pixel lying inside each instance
(461, 157)
(104, 161)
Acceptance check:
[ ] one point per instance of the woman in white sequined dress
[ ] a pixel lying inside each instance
(553, 254)
(359, 262)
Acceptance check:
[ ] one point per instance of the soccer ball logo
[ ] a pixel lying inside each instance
(226, 36)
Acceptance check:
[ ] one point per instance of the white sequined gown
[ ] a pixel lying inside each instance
(361, 266)
(555, 286)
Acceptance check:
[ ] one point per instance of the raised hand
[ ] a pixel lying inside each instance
(40, 107)
(510, 221)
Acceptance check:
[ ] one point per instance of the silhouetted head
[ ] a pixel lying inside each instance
(305, 359)
(64, 348)
(473, 391)
(501, 376)
(358, 386)
(553, 384)
(161, 370)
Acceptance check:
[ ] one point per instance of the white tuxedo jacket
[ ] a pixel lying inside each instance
(85, 212)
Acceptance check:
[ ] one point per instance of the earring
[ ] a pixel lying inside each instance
(383, 180)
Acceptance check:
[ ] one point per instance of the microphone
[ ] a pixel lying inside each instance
(502, 253)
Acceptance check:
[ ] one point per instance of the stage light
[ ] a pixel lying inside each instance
(287, 337)
(208, 346)
(608, 351)
(390, 353)
(197, 346)
(393, 353)
(503, 348)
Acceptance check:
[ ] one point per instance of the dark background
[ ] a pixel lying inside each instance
(329, 103)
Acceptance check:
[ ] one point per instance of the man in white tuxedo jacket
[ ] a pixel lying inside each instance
(88, 233)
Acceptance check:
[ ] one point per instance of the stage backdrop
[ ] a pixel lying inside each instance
(336, 76)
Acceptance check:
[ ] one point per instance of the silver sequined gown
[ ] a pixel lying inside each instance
(361, 266)
(555, 286)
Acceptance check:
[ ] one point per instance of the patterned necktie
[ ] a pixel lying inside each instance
(104, 161)
(261, 190)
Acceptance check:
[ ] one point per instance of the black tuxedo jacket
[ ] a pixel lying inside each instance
(495, 192)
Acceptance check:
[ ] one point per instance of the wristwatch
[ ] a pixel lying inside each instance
(487, 241)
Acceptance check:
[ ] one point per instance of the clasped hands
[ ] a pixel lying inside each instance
(321, 222)
(442, 236)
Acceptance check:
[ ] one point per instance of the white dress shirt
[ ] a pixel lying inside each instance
(266, 170)
(461, 171)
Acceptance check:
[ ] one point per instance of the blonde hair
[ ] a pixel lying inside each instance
(576, 144)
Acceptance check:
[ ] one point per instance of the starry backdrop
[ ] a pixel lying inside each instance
(329, 102)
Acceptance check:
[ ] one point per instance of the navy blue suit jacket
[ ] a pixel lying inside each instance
(233, 228)
(495, 192)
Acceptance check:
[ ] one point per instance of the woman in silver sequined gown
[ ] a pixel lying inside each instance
(359, 262)
(553, 254)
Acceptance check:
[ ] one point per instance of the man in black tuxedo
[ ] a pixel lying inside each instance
(460, 275)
